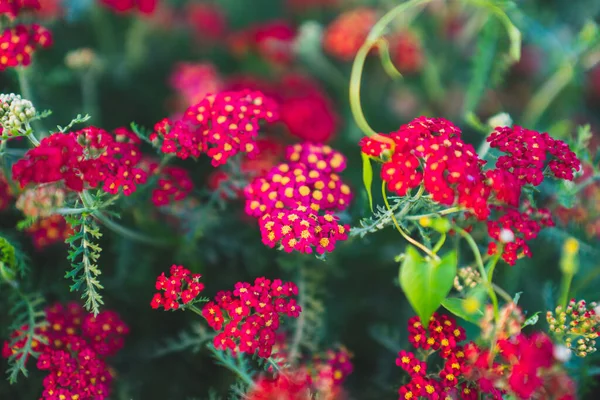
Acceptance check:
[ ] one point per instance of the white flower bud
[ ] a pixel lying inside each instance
(562, 353)
(507, 236)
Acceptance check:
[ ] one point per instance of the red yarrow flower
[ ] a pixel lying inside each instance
(247, 318)
(177, 290)
(19, 43)
(73, 346)
(12, 8)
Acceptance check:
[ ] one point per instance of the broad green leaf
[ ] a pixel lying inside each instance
(426, 283)
(467, 309)
(368, 178)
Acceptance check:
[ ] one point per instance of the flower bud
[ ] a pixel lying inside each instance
(15, 112)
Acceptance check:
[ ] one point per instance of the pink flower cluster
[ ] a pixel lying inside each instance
(76, 350)
(194, 81)
(248, 317)
(220, 125)
(287, 201)
(429, 153)
(17, 44)
(174, 184)
(272, 40)
(180, 288)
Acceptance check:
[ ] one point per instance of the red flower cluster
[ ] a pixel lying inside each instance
(122, 6)
(524, 368)
(194, 81)
(221, 125)
(48, 231)
(304, 107)
(5, 193)
(180, 288)
(407, 54)
(347, 33)
(174, 184)
(76, 350)
(207, 20)
(272, 40)
(429, 152)
(442, 336)
(287, 200)
(84, 159)
(249, 316)
(519, 227)
(12, 8)
(17, 44)
(331, 368)
(291, 385)
(528, 152)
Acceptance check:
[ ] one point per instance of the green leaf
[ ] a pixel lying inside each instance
(368, 178)
(482, 65)
(426, 283)
(460, 308)
(531, 320)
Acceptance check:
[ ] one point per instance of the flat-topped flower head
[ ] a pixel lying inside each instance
(247, 318)
(19, 43)
(84, 159)
(228, 122)
(177, 290)
(302, 230)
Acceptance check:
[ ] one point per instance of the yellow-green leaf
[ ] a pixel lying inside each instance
(464, 308)
(426, 283)
(368, 178)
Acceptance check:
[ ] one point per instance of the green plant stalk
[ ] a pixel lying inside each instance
(361, 56)
(542, 99)
(299, 329)
(565, 287)
(117, 228)
(487, 282)
(404, 234)
(195, 309)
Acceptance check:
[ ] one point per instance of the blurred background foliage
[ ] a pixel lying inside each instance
(357, 299)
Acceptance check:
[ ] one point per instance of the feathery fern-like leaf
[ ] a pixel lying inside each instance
(28, 316)
(84, 255)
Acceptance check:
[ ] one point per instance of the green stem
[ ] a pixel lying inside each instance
(446, 211)
(117, 228)
(402, 232)
(299, 329)
(440, 243)
(542, 99)
(565, 287)
(482, 271)
(89, 95)
(24, 85)
(195, 309)
(361, 56)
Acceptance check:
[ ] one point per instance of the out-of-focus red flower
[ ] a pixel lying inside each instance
(194, 81)
(145, 7)
(50, 9)
(207, 20)
(530, 62)
(272, 40)
(346, 34)
(306, 110)
(406, 52)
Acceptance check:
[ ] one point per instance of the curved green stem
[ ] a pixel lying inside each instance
(361, 56)
(482, 271)
(195, 309)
